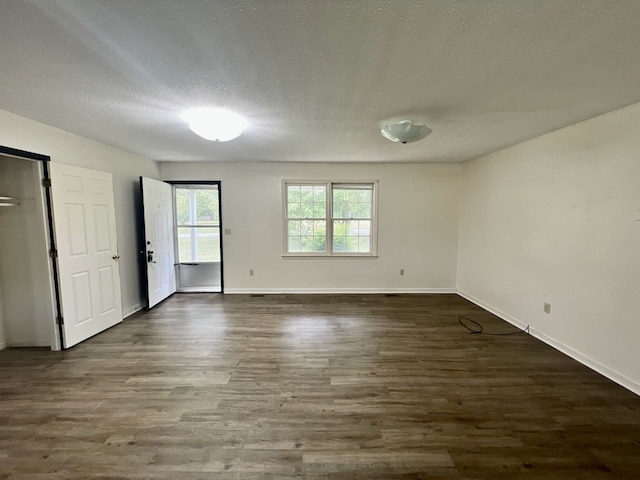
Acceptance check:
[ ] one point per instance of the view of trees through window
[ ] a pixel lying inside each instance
(307, 211)
(198, 224)
(352, 207)
(307, 214)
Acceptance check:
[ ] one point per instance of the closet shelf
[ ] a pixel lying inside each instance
(8, 201)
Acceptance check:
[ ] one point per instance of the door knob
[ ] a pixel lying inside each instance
(116, 257)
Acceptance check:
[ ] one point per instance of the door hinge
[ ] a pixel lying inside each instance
(46, 182)
(53, 253)
(60, 320)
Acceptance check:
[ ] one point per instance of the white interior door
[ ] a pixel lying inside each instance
(157, 203)
(85, 225)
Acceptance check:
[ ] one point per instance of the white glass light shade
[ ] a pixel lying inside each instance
(405, 131)
(215, 124)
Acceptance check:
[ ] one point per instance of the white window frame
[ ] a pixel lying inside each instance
(329, 184)
(191, 224)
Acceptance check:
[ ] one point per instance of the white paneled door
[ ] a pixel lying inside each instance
(157, 202)
(85, 224)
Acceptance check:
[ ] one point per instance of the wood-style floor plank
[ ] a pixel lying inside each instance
(317, 387)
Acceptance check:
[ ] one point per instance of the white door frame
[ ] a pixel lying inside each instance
(47, 218)
(195, 184)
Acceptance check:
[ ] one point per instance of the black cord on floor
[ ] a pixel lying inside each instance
(480, 328)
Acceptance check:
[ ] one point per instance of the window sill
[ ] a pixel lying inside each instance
(340, 255)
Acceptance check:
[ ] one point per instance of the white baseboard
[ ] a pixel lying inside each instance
(610, 373)
(3, 344)
(267, 291)
(587, 361)
(494, 310)
(131, 310)
(28, 343)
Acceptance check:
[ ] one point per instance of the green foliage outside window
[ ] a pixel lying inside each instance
(206, 207)
(198, 206)
(351, 216)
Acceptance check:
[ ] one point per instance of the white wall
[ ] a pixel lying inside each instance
(3, 336)
(64, 147)
(24, 265)
(557, 219)
(418, 211)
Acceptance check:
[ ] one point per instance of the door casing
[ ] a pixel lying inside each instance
(176, 183)
(56, 340)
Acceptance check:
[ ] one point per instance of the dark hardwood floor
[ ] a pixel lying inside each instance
(318, 387)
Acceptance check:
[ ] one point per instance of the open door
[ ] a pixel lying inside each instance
(85, 225)
(159, 251)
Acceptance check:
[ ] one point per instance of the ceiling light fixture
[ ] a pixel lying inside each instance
(215, 124)
(404, 131)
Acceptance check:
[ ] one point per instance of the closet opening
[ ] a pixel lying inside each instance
(29, 296)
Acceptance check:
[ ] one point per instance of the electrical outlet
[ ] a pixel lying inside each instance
(547, 308)
(251, 272)
(402, 272)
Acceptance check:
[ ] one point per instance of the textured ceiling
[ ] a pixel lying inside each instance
(314, 78)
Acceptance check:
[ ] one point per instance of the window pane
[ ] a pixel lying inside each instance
(364, 244)
(293, 193)
(306, 193)
(306, 201)
(206, 203)
(306, 243)
(352, 228)
(352, 202)
(351, 210)
(306, 227)
(307, 236)
(362, 210)
(294, 244)
(294, 228)
(182, 206)
(294, 210)
(198, 244)
(339, 228)
(319, 210)
(365, 195)
(197, 206)
(352, 236)
(351, 245)
(320, 194)
(364, 228)
(319, 244)
(320, 228)
(306, 210)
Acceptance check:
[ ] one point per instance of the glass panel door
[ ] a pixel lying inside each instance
(198, 238)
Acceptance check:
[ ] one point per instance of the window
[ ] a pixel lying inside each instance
(198, 224)
(329, 218)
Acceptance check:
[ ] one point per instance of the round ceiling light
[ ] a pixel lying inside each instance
(215, 124)
(404, 131)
